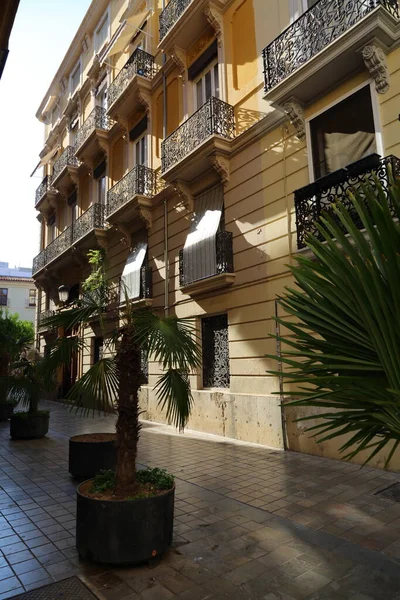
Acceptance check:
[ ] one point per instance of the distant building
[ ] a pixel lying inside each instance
(18, 291)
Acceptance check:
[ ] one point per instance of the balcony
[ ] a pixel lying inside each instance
(43, 316)
(91, 221)
(65, 168)
(93, 135)
(317, 197)
(131, 192)
(182, 22)
(134, 77)
(186, 152)
(324, 45)
(224, 274)
(43, 192)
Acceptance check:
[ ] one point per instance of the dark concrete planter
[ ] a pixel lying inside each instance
(6, 411)
(124, 532)
(32, 427)
(87, 459)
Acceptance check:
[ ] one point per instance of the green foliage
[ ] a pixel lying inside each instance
(15, 338)
(104, 481)
(24, 415)
(95, 286)
(159, 479)
(342, 352)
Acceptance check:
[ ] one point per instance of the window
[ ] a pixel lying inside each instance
(343, 134)
(97, 350)
(101, 33)
(75, 78)
(32, 297)
(298, 7)
(140, 149)
(3, 296)
(207, 85)
(51, 229)
(73, 129)
(99, 175)
(215, 345)
(101, 94)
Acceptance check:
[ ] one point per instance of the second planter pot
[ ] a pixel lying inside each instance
(91, 453)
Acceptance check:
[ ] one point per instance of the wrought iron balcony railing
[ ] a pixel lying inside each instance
(214, 117)
(67, 159)
(97, 119)
(92, 218)
(318, 197)
(146, 285)
(224, 258)
(43, 188)
(312, 32)
(140, 63)
(141, 180)
(43, 316)
(61, 243)
(171, 14)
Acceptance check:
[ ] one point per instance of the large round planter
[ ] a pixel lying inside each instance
(6, 411)
(87, 458)
(124, 532)
(31, 427)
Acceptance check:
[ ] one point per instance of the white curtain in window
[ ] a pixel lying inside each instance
(199, 252)
(342, 149)
(130, 279)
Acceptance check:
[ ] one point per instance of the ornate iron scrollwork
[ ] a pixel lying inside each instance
(92, 218)
(224, 249)
(318, 197)
(39, 262)
(214, 117)
(312, 32)
(59, 245)
(67, 159)
(43, 188)
(97, 119)
(140, 63)
(43, 316)
(146, 282)
(171, 14)
(215, 343)
(139, 181)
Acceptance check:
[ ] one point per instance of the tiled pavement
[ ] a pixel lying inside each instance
(251, 523)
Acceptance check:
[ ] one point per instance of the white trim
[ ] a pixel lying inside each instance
(375, 113)
(210, 68)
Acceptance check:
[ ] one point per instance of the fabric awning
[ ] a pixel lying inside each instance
(200, 251)
(132, 24)
(137, 20)
(48, 156)
(130, 279)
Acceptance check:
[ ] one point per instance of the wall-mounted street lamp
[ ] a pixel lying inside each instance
(63, 292)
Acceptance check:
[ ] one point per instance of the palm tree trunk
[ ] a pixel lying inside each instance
(128, 426)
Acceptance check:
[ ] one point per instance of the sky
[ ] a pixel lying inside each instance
(42, 33)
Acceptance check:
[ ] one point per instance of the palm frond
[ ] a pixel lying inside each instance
(175, 396)
(97, 389)
(342, 352)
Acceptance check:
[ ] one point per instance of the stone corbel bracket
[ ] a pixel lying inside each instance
(375, 61)
(179, 57)
(295, 114)
(214, 17)
(184, 192)
(222, 166)
(144, 98)
(145, 213)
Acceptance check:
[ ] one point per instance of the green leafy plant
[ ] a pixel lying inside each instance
(159, 479)
(16, 336)
(113, 383)
(342, 352)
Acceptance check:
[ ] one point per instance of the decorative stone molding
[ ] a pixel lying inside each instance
(184, 192)
(126, 233)
(375, 61)
(144, 98)
(221, 165)
(295, 113)
(202, 43)
(63, 85)
(146, 216)
(179, 57)
(86, 44)
(214, 17)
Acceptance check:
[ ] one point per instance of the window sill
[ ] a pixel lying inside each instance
(210, 283)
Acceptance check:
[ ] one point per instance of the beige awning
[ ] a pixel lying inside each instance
(121, 42)
(137, 19)
(49, 156)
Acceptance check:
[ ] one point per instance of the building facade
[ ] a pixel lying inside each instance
(197, 141)
(18, 292)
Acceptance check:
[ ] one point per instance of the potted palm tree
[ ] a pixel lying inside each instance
(126, 516)
(342, 352)
(16, 337)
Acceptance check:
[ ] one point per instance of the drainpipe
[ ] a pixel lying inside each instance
(165, 108)
(280, 378)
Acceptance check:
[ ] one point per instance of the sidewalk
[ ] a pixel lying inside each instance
(251, 523)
